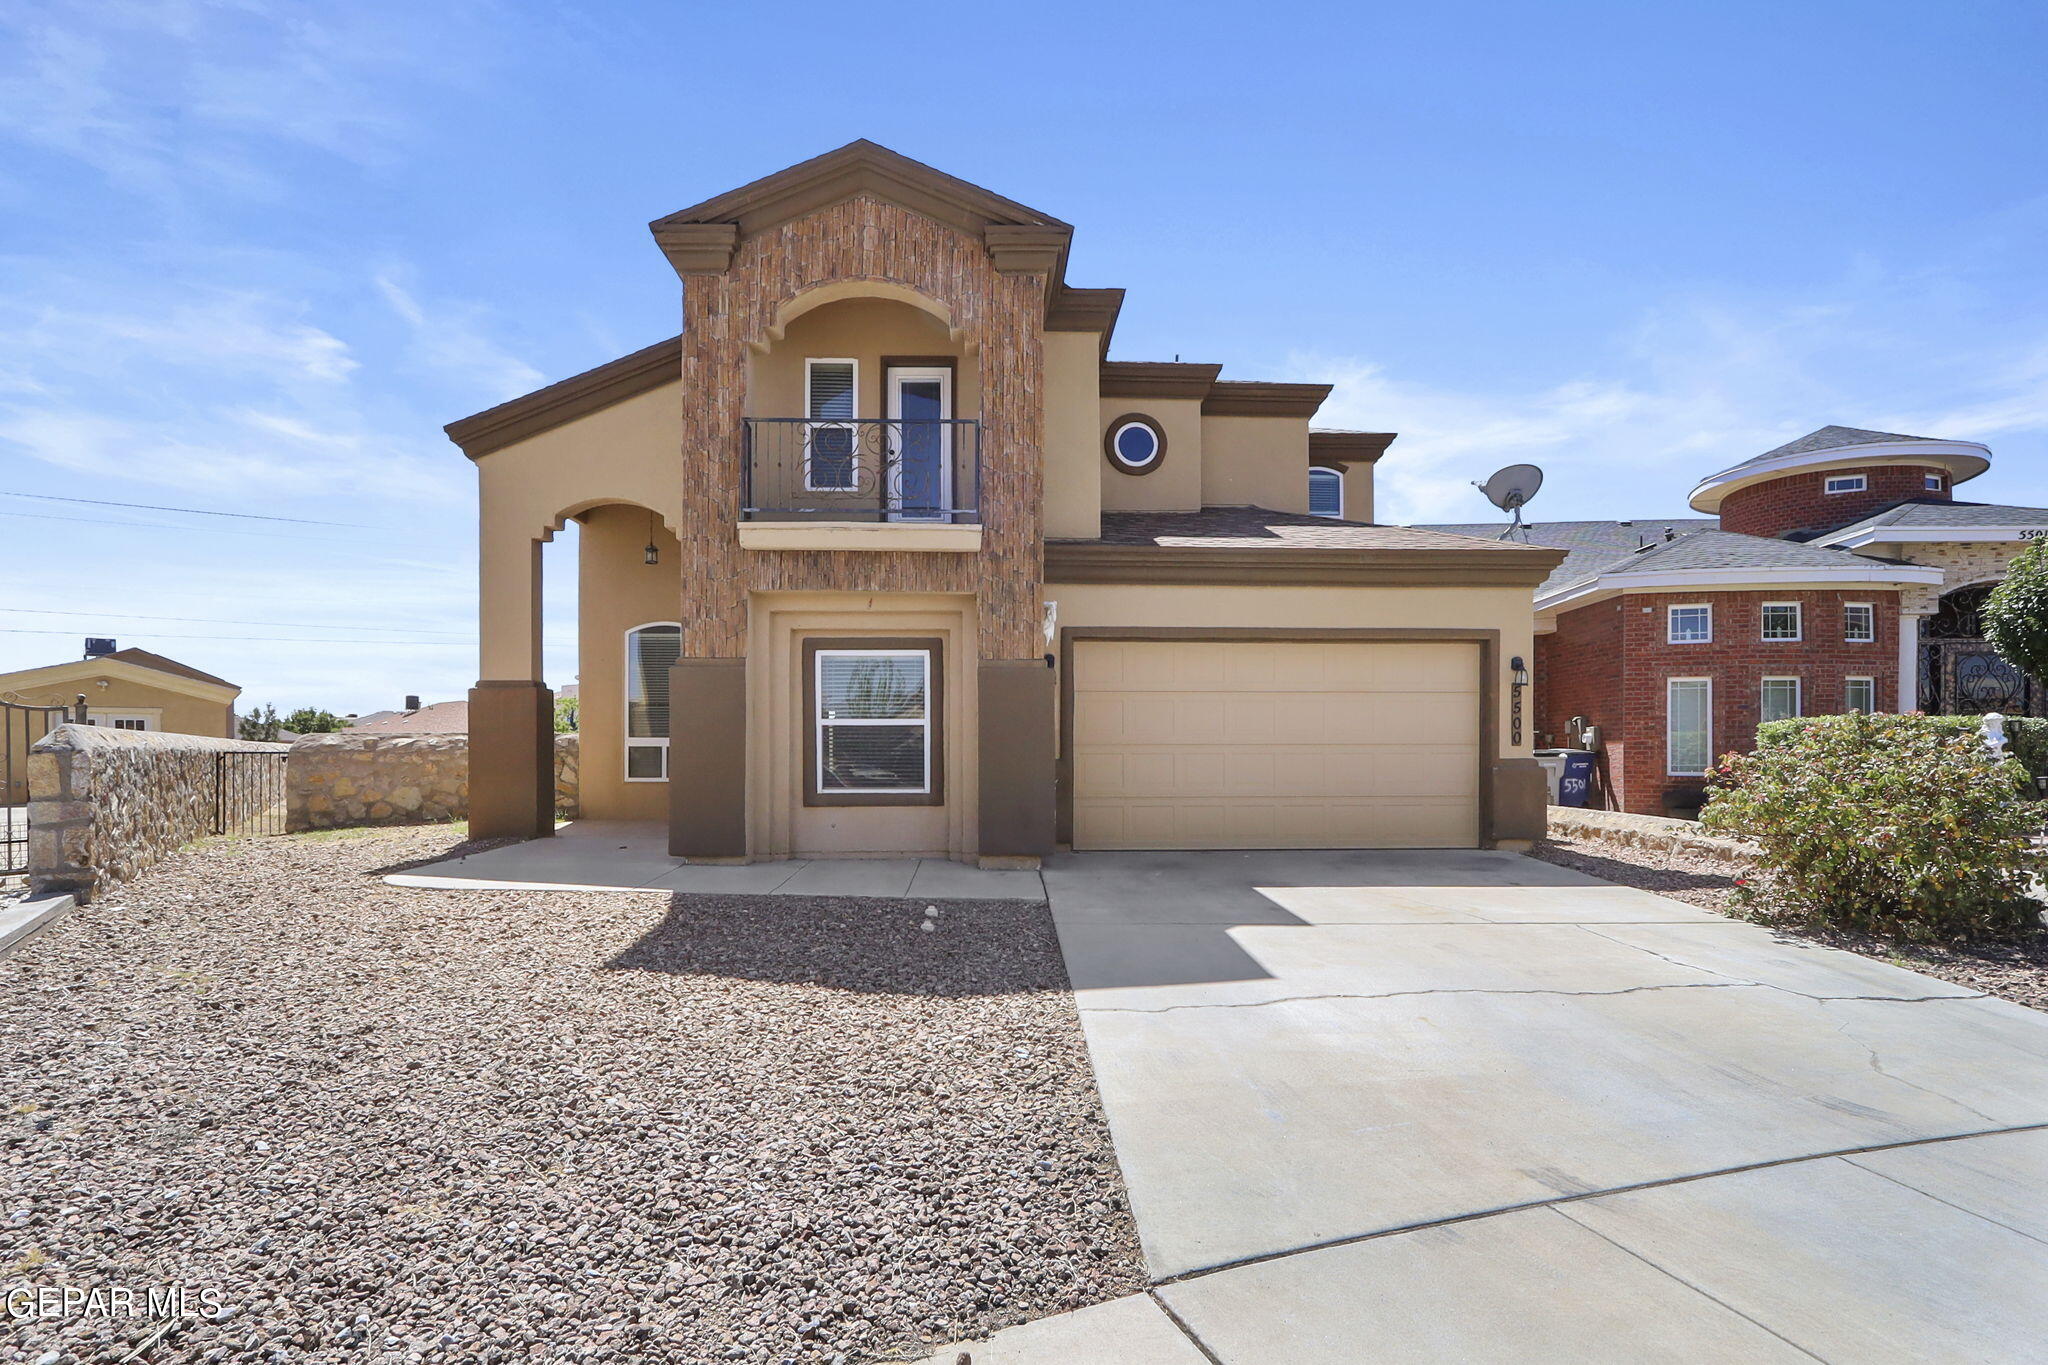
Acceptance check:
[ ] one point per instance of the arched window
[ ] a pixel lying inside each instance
(1325, 492)
(650, 651)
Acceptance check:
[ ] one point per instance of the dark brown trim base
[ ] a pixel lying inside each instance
(1015, 700)
(1521, 799)
(511, 760)
(707, 758)
(1489, 693)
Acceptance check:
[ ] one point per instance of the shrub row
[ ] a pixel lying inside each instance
(1899, 826)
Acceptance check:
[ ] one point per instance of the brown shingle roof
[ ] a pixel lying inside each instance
(439, 718)
(142, 658)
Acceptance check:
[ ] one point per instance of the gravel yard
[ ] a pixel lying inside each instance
(2012, 971)
(393, 1124)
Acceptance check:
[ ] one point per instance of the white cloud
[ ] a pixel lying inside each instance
(1695, 385)
(450, 337)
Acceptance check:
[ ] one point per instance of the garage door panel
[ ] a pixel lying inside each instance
(1205, 744)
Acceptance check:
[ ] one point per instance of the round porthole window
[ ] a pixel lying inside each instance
(1135, 444)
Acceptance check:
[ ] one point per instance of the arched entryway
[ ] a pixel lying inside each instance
(1960, 674)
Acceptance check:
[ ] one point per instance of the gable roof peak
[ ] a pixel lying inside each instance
(860, 167)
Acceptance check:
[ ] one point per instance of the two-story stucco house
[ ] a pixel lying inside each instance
(883, 556)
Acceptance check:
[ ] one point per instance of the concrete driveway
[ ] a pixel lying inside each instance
(1469, 1106)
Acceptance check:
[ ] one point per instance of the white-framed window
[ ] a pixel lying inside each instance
(1325, 492)
(873, 721)
(122, 720)
(651, 650)
(1780, 699)
(1859, 623)
(831, 437)
(1846, 483)
(1931, 482)
(1781, 621)
(1688, 726)
(1859, 694)
(1691, 624)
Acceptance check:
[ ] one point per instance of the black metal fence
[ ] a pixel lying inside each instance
(21, 725)
(248, 792)
(869, 469)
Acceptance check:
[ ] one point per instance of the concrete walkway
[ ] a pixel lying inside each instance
(1469, 1106)
(621, 855)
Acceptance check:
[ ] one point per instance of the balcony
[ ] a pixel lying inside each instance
(868, 483)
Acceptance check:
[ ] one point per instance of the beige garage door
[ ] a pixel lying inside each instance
(1339, 744)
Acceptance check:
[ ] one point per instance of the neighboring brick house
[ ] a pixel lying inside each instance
(1840, 575)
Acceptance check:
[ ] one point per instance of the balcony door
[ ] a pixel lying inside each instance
(920, 483)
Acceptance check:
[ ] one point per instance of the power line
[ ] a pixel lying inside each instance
(255, 639)
(192, 511)
(171, 526)
(230, 621)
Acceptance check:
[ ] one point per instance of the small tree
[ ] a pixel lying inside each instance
(1900, 826)
(2016, 613)
(309, 720)
(261, 724)
(565, 715)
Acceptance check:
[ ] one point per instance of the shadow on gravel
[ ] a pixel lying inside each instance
(1661, 879)
(446, 855)
(876, 946)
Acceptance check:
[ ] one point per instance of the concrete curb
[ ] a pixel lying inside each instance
(22, 919)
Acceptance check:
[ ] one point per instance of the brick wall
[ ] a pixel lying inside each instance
(1799, 501)
(1609, 661)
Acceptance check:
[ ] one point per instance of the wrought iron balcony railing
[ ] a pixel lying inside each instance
(869, 469)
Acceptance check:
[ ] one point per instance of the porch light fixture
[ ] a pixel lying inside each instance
(1518, 674)
(652, 554)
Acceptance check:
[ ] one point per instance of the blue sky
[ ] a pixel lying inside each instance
(254, 255)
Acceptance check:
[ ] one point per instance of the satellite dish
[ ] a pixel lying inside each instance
(1510, 489)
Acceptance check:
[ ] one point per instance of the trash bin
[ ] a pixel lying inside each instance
(1576, 780)
(1552, 763)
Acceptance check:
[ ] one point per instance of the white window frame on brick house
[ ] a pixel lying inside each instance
(1672, 635)
(1796, 706)
(1798, 623)
(656, 704)
(1846, 483)
(1854, 684)
(1932, 482)
(1868, 635)
(1706, 693)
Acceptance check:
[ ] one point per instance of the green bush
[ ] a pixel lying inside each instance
(2026, 737)
(1899, 826)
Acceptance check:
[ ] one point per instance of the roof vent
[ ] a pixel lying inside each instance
(98, 646)
(412, 703)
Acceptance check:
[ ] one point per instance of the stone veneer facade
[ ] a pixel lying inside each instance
(107, 805)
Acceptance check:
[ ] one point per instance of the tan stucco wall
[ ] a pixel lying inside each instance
(1176, 486)
(1073, 435)
(1357, 491)
(618, 590)
(172, 712)
(779, 824)
(1255, 462)
(863, 330)
(626, 453)
(1502, 609)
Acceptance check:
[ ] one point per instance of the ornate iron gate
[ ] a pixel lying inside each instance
(1961, 675)
(21, 725)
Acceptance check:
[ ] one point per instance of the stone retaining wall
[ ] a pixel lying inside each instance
(359, 778)
(1646, 831)
(108, 804)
